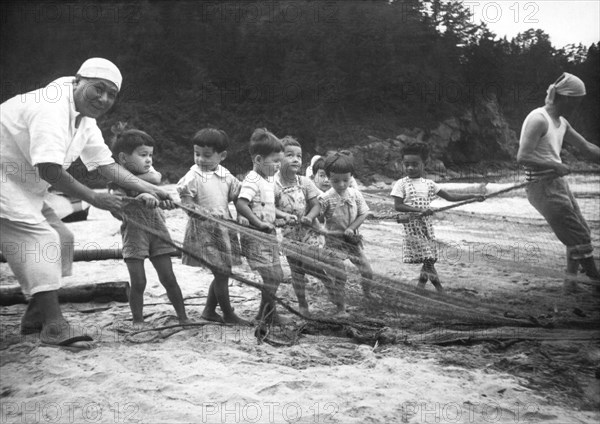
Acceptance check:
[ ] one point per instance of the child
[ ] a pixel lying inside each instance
(316, 172)
(133, 150)
(414, 193)
(296, 199)
(318, 175)
(344, 209)
(211, 187)
(256, 203)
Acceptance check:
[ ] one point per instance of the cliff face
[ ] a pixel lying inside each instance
(480, 135)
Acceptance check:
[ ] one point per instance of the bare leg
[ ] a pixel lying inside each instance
(423, 277)
(299, 285)
(364, 267)
(339, 278)
(435, 280)
(272, 277)
(164, 269)
(220, 287)
(209, 312)
(570, 282)
(431, 272)
(589, 266)
(137, 277)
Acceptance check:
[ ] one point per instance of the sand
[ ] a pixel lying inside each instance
(218, 374)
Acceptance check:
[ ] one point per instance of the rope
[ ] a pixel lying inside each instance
(407, 216)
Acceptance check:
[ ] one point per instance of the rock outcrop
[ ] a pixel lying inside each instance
(480, 135)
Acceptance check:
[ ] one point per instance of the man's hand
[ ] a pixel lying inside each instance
(107, 202)
(348, 232)
(148, 200)
(266, 227)
(159, 193)
(290, 218)
(306, 221)
(427, 212)
(167, 204)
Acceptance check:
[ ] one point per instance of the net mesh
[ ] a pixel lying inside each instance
(504, 232)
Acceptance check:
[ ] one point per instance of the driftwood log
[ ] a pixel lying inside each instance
(88, 255)
(445, 336)
(116, 291)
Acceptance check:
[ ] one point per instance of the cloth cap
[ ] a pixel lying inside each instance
(97, 67)
(566, 85)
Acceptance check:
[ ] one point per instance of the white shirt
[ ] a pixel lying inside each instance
(260, 194)
(549, 146)
(39, 127)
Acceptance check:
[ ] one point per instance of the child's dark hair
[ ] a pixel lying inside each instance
(127, 139)
(288, 140)
(211, 137)
(319, 164)
(419, 149)
(263, 142)
(340, 163)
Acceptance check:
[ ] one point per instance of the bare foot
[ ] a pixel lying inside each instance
(212, 316)
(280, 319)
(570, 287)
(341, 314)
(31, 322)
(421, 285)
(366, 288)
(234, 319)
(439, 288)
(304, 311)
(62, 334)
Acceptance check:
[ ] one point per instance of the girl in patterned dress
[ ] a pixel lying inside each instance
(414, 193)
(209, 187)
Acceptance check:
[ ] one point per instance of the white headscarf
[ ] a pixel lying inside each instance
(566, 85)
(309, 170)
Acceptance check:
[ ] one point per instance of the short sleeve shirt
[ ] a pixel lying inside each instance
(39, 127)
(421, 186)
(340, 212)
(211, 190)
(260, 194)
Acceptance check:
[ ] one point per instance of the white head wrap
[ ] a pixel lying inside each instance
(309, 170)
(96, 67)
(566, 85)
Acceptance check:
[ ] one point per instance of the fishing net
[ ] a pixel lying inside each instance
(503, 231)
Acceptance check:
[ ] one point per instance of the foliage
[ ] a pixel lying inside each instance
(329, 73)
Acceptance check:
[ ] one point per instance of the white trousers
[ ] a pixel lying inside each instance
(38, 254)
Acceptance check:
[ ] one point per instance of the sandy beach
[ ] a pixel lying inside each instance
(223, 374)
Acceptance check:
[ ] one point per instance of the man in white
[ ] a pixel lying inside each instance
(540, 145)
(42, 133)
